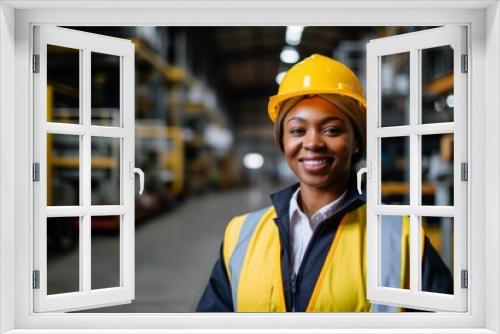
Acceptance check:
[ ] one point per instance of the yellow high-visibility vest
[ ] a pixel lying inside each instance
(252, 258)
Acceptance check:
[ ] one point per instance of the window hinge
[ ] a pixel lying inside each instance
(465, 67)
(465, 279)
(36, 63)
(464, 169)
(36, 172)
(36, 279)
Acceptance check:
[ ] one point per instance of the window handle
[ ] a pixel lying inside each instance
(135, 170)
(360, 173)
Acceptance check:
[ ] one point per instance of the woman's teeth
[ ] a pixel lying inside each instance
(315, 162)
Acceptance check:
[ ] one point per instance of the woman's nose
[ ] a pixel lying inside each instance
(313, 141)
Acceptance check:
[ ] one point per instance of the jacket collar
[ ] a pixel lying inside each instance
(352, 199)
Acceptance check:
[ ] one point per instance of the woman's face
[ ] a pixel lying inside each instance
(318, 142)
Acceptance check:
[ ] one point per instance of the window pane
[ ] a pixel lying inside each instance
(439, 258)
(437, 169)
(395, 172)
(394, 251)
(105, 89)
(437, 85)
(63, 170)
(63, 265)
(105, 252)
(105, 171)
(63, 84)
(395, 89)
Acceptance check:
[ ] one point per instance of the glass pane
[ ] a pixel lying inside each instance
(63, 170)
(437, 267)
(395, 89)
(63, 84)
(395, 173)
(437, 169)
(63, 265)
(105, 89)
(105, 252)
(105, 171)
(437, 85)
(394, 251)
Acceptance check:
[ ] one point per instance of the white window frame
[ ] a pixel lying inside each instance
(16, 20)
(86, 44)
(412, 44)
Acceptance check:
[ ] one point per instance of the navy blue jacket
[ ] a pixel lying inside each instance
(436, 277)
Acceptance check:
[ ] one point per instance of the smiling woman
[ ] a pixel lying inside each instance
(307, 252)
(319, 145)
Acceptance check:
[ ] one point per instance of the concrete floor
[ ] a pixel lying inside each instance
(175, 252)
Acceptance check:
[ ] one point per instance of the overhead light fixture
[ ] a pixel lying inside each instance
(253, 160)
(294, 35)
(280, 76)
(289, 55)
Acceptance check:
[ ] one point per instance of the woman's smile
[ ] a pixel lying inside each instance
(316, 165)
(318, 142)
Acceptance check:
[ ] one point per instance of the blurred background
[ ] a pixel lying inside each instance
(206, 145)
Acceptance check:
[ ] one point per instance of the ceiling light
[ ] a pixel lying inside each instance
(450, 101)
(294, 35)
(280, 76)
(253, 161)
(289, 55)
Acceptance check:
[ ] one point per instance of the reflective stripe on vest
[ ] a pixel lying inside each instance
(252, 259)
(255, 275)
(393, 234)
(238, 255)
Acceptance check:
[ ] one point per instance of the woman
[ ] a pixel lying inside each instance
(307, 251)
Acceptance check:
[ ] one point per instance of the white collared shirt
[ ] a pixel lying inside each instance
(301, 228)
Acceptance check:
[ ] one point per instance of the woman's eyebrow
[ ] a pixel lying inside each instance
(295, 118)
(324, 120)
(332, 118)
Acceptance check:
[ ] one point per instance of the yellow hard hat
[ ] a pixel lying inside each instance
(317, 74)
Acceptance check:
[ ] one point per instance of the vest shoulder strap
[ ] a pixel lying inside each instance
(237, 237)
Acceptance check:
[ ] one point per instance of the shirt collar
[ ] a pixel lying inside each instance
(325, 212)
(281, 198)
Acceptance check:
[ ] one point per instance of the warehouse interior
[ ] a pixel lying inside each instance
(206, 145)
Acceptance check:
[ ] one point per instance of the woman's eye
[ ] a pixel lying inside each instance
(296, 131)
(332, 131)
